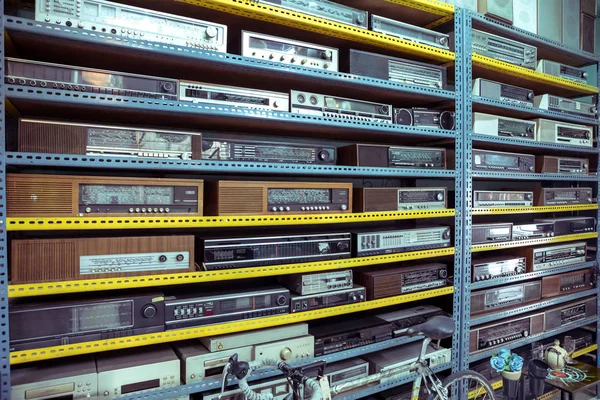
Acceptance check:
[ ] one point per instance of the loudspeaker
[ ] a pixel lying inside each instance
(549, 19)
(501, 10)
(468, 4)
(570, 23)
(589, 7)
(588, 33)
(525, 15)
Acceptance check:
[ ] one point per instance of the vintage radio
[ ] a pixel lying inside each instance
(399, 199)
(200, 92)
(492, 233)
(279, 389)
(562, 165)
(346, 332)
(409, 317)
(332, 298)
(327, 10)
(503, 49)
(587, 33)
(543, 258)
(277, 152)
(571, 312)
(424, 118)
(487, 268)
(320, 282)
(366, 155)
(93, 81)
(55, 380)
(389, 282)
(346, 371)
(503, 92)
(134, 23)
(288, 51)
(567, 106)
(186, 310)
(570, 282)
(563, 196)
(532, 231)
(250, 338)
(260, 251)
(494, 125)
(505, 297)
(40, 195)
(268, 198)
(129, 371)
(562, 71)
(397, 69)
(565, 133)
(48, 260)
(198, 364)
(502, 198)
(323, 105)
(84, 320)
(409, 32)
(485, 160)
(497, 9)
(398, 241)
(502, 332)
(571, 225)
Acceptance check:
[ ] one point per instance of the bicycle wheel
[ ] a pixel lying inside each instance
(479, 387)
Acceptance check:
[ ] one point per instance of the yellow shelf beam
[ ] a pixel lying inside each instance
(532, 210)
(19, 357)
(91, 285)
(585, 350)
(95, 223)
(532, 242)
(268, 13)
(431, 6)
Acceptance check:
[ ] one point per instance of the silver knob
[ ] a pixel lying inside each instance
(211, 32)
(344, 207)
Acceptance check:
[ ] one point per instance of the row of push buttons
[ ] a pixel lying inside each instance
(149, 209)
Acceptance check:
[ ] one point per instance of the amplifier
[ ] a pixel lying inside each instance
(49, 260)
(206, 308)
(257, 151)
(306, 103)
(332, 298)
(279, 389)
(199, 364)
(84, 320)
(320, 282)
(267, 198)
(565, 133)
(272, 250)
(562, 71)
(532, 231)
(484, 269)
(587, 33)
(290, 349)
(398, 241)
(397, 69)
(399, 199)
(503, 92)
(500, 10)
(563, 196)
(233, 341)
(571, 225)
(567, 106)
(41, 195)
(423, 117)
(95, 81)
(502, 198)
(486, 160)
(134, 23)
(562, 165)
(492, 233)
(132, 370)
(408, 317)
(366, 155)
(494, 125)
(288, 51)
(409, 32)
(505, 297)
(570, 282)
(346, 371)
(543, 258)
(327, 10)
(55, 380)
(342, 333)
(200, 92)
(390, 282)
(571, 312)
(503, 332)
(503, 49)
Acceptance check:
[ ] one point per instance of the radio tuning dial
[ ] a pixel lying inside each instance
(530, 96)
(440, 196)
(282, 300)
(323, 155)
(343, 207)
(285, 354)
(443, 41)
(443, 273)
(327, 55)
(167, 87)
(149, 311)
(211, 32)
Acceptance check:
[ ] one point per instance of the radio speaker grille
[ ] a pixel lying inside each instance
(52, 138)
(32, 198)
(43, 260)
(240, 200)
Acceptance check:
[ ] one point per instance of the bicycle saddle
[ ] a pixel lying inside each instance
(436, 328)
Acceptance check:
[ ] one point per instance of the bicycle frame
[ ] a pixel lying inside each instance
(425, 373)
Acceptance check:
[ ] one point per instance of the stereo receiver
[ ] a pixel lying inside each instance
(571, 312)
(320, 282)
(562, 165)
(502, 198)
(199, 92)
(409, 32)
(408, 317)
(563, 196)
(48, 260)
(418, 116)
(543, 258)
(399, 199)
(486, 160)
(532, 231)
(333, 298)
(568, 106)
(290, 349)
(32, 195)
(346, 371)
(565, 133)
(571, 225)
(503, 92)
(398, 241)
(503, 332)
(503, 49)
(494, 125)
(267, 198)
(492, 233)
(327, 10)
(562, 71)
(505, 297)
(570, 282)
(487, 268)
(250, 338)
(367, 155)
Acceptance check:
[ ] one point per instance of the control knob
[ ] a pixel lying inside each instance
(285, 354)
(323, 155)
(528, 196)
(149, 311)
(327, 55)
(530, 96)
(342, 246)
(444, 41)
(210, 32)
(168, 87)
(353, 297)
(529, 129)
(443, 273)
(446, 234)
(584, 75)
(593, 109)
(360, 18)
(440, 196)
(343, 207)
(281, 300)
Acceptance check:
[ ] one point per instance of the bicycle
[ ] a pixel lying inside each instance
(434, 329)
